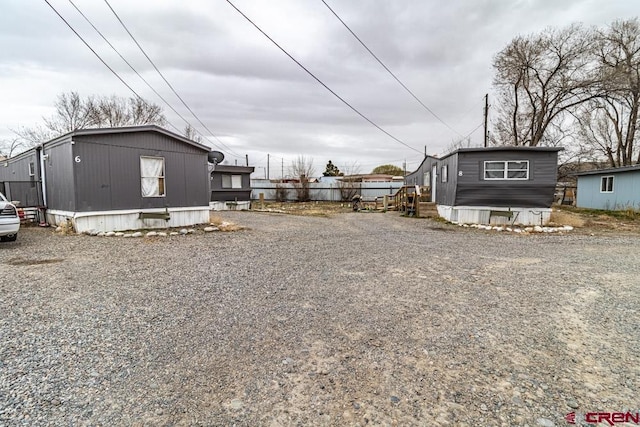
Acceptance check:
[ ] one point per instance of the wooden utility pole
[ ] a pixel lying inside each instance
(486, 115)
(267, 166)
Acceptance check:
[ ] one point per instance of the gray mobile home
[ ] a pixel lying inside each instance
(474, 185)
(231, 186)
(610, 189)
(424, 175)
(20, 179)
(120, 178)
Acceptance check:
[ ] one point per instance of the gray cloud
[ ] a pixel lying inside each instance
(254, 98)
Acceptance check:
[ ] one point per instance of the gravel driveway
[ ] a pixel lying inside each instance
(351, 320)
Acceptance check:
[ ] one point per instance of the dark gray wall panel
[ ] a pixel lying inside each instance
(108, 177)
(446, 191)
(92, 177)
(530, 195)
(196, 184)
(17, 169)
(18, 185)
(537, 191)
(230, 195)
(59, 177)
(417, 177)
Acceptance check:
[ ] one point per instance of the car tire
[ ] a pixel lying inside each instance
(9, 238)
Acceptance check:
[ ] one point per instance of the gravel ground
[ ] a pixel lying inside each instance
(351, 320)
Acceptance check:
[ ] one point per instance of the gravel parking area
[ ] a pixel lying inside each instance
(351, 320)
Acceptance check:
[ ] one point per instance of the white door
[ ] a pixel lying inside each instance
(434, 179)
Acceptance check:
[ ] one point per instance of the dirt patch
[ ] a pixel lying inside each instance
(324, 209)
(573, 219)
(583, 220)
(222, 224)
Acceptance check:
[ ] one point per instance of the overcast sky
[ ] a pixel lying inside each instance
(254, 98)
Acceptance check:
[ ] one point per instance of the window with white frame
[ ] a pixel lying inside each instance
(444, 173)
(152, 176)
(32, 169)
(231, 181)
(606, 184)
(510, 169)
(426, 179)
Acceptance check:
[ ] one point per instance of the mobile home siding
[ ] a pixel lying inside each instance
(625, 195)
(108, 175)
(59, 179)
(417, 177)
(219, 194)
(18, 183)
(446, 191)
(536, 191)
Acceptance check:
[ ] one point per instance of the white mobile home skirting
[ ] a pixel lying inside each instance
(122, 220)
(482, 215)
(230, 206)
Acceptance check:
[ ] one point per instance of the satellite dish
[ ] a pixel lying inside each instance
(215, 157)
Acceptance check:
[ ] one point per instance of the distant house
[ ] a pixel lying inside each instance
(371, 177)
(610, 189)
(231, 187)
(115, 179)
(491, 185)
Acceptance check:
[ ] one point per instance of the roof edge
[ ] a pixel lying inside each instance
(126, 129)
(630, 168)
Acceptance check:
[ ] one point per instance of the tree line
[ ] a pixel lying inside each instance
(577, 87)
(72, 112)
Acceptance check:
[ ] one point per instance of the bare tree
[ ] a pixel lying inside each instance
(349, 184)
(35, 135)
(610, 123)
(9, 146)
(540, 79)
(113, 112)
(191, 133)
(73, 112)
(459, 143)
(302, 169)
(142, 112)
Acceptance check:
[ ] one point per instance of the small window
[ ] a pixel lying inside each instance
(515, 169)
(427, 179)
(606, 184)
(32, 169)
(152, 176)
(444, 173)
(231, 181)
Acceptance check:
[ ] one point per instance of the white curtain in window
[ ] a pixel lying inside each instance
(236, 181)
(150, 170)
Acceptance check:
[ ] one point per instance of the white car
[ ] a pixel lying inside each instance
(9, 220)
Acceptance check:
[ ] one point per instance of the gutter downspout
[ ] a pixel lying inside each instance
(43, 179)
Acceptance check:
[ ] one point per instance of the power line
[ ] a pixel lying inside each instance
(320, 81)
(93, 51)
(135, 71)
(390, 72)
(167, 82)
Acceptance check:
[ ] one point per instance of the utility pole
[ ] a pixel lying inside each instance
(282, 176)
(486, 115)
(267, 166)
(246, 157)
